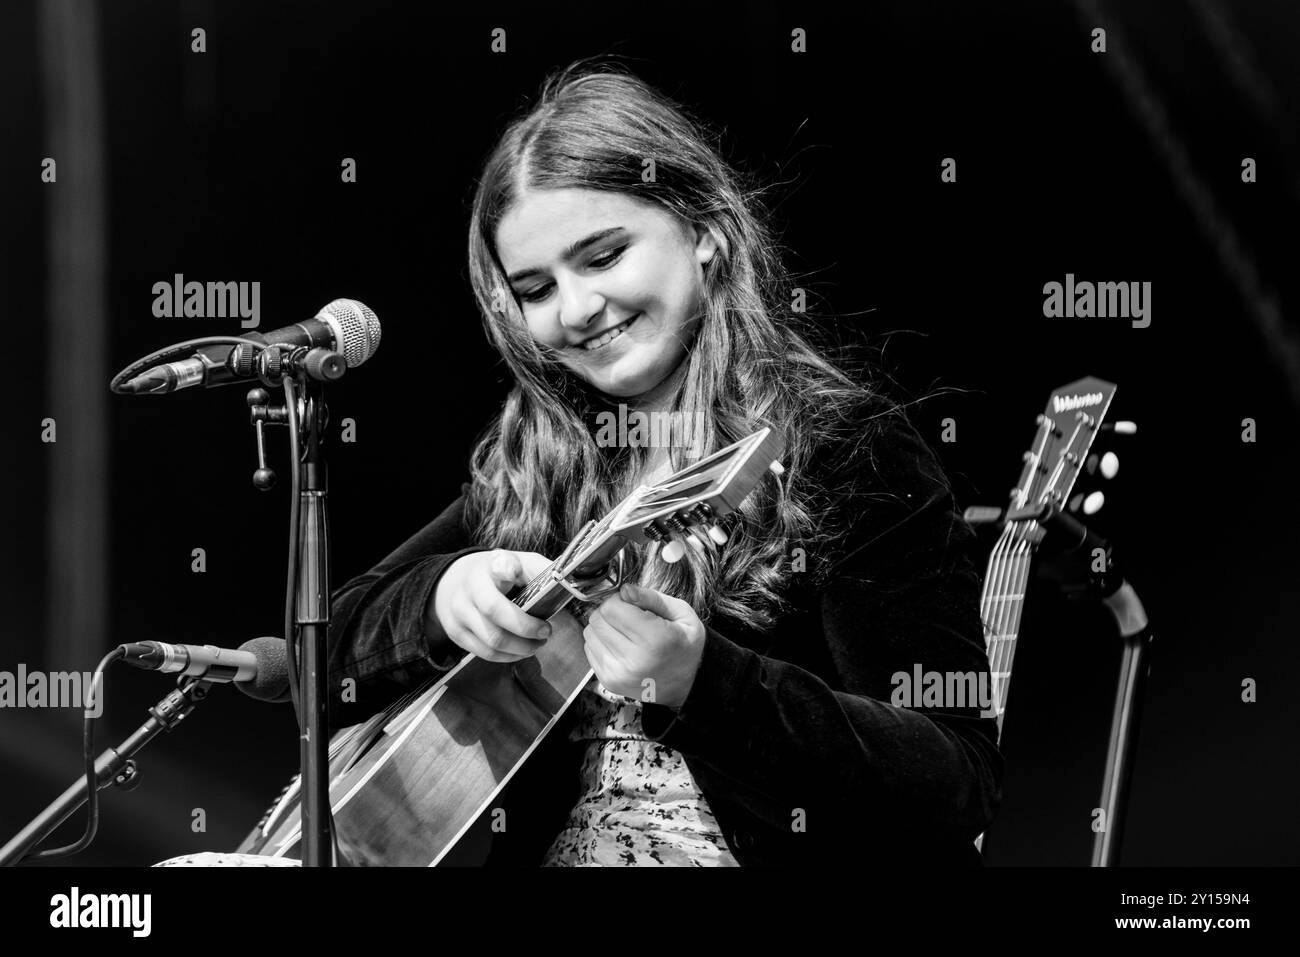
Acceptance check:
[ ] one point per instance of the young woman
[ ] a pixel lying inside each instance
(772, 737)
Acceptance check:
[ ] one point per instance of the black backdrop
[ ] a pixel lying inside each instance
(225, 166)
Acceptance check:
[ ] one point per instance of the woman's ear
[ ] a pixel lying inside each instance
(707, 245)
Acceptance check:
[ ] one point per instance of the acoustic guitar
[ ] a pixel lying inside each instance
(409, 784)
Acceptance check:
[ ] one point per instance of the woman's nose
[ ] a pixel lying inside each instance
(580, 304)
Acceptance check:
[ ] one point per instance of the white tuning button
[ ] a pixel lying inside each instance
(1109, 465)
(695, 542)
(718, 535)
(777, 468)
(1093, 503)
(672, 552)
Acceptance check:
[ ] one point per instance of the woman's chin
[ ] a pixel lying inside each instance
(622, 389)
(624, 380)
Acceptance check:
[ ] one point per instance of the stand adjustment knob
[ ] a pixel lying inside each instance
(325, 365)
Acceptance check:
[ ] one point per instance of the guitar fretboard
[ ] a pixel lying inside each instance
(1001, 605)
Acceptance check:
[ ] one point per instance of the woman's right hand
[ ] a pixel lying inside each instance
(471, 606)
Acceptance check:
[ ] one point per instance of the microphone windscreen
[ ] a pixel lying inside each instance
(356, 328)
(272, 680)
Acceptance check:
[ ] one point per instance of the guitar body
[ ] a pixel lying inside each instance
(408, 786)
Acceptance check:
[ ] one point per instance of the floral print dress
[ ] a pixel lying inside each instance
(640, 805)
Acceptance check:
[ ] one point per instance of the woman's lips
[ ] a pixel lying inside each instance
(608, 336)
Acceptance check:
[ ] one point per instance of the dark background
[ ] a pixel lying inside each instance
(1123, 166)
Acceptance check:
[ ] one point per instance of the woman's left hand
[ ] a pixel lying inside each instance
(645, 645)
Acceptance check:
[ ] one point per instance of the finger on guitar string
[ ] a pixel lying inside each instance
(506, 652)
(506, 615)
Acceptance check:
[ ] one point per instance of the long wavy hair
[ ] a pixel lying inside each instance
(538, 472)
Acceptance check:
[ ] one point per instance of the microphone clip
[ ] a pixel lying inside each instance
(271, 363)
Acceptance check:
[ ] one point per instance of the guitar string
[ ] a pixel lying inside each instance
(1006, 633)
(1021, 559)
(994, 623)
(1022, 577)
(1007, 571)
(998, 570)
(1080, 422)
(995, 616)
(1012, 579)
(1006, 590)
(1011, 595)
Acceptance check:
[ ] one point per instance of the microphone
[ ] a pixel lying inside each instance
(345, 326)
(199, 661)
(271, 683)
(259, 668)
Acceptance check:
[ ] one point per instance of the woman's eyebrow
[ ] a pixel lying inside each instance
(571, 252)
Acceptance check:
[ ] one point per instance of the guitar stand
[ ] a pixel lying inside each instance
(1071, 552)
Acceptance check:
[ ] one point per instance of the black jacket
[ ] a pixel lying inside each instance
(789, 733)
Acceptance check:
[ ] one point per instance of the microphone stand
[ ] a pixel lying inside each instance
(115, 766)
(312, 617)
(303, 374)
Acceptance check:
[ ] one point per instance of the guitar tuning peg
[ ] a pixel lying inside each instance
(1076, 502)
(1093, 503)
(1107, 463)
(1123, 427)
(702, 516)
(777, 469)
(672, 552)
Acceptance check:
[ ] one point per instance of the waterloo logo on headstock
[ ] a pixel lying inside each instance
(1066, 430)
(1067, 403)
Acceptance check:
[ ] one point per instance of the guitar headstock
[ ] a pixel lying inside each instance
(683, 510)
(700, 494)
(1066, 430)
(685, 507)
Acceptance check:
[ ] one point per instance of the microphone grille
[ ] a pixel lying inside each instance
(271, 683)
(356, 327)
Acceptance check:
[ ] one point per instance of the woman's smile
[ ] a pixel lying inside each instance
(609, 335)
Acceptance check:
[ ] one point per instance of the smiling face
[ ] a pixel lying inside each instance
(614, 285)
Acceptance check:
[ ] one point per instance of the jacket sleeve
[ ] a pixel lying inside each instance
(379, 635)
(902, 598)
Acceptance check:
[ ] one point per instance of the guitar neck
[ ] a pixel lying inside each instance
(1001, 603)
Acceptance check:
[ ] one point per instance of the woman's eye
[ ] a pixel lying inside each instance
(600, 262)
(609, 258)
